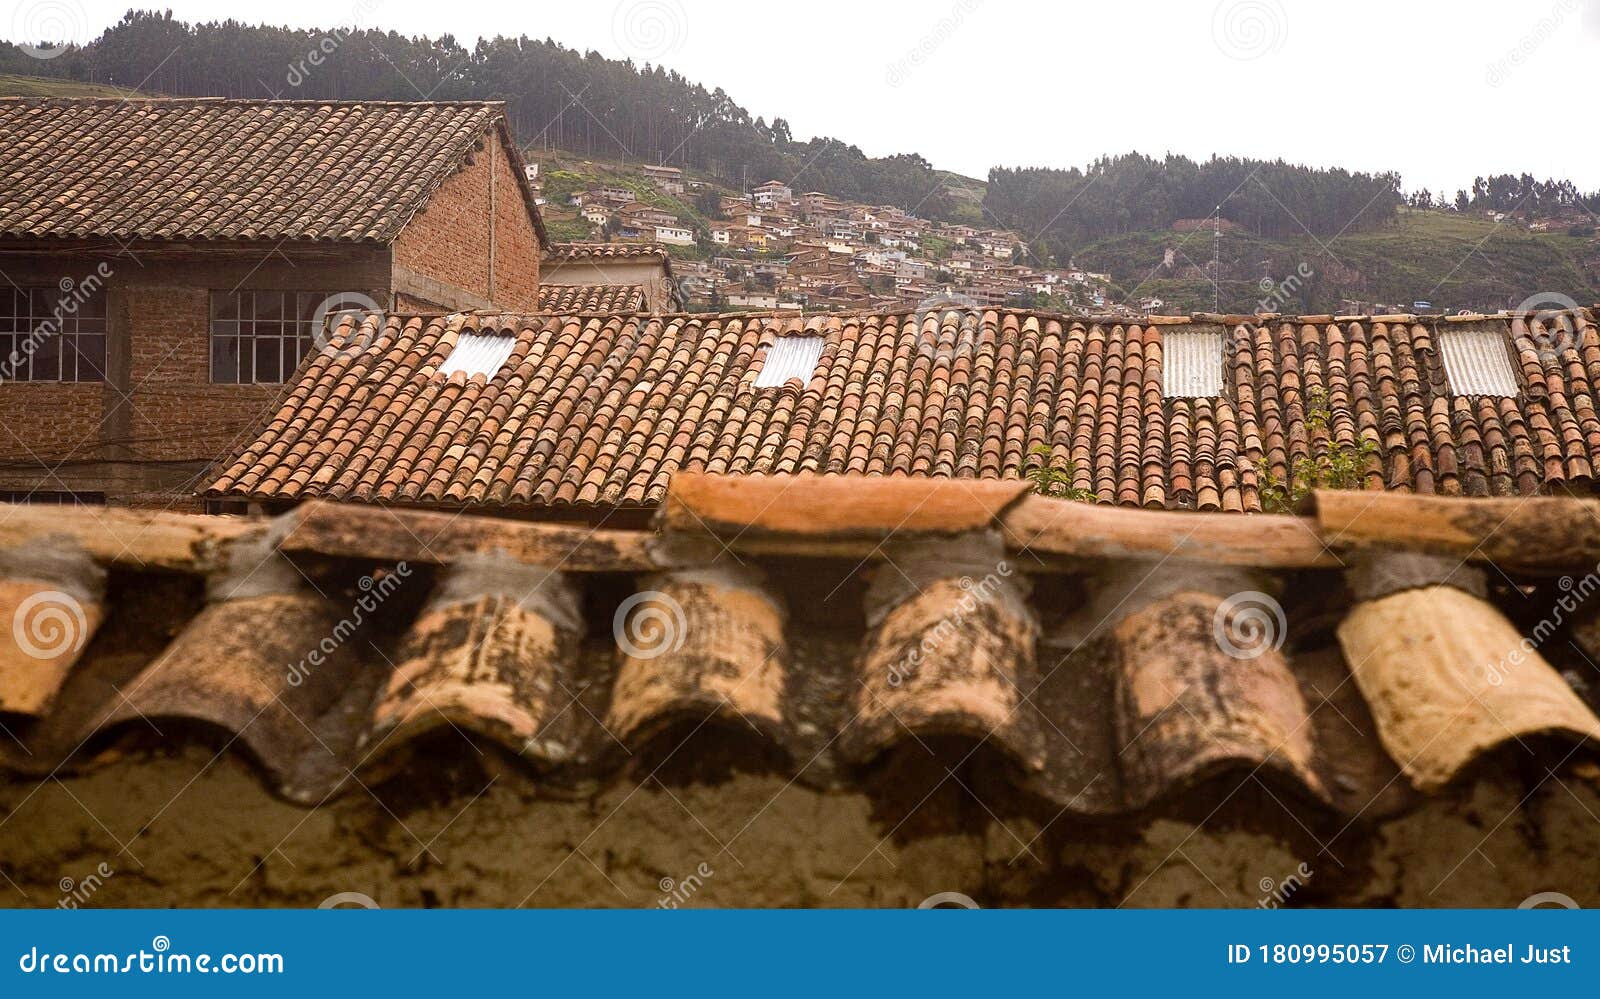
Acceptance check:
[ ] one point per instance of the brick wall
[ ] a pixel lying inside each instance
(448, 241)
(158, 446)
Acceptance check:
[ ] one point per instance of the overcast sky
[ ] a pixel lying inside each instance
(1438, 91)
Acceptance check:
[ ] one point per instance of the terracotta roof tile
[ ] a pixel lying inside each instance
(602, 409)
(591, 298)
(229, 169)
(939, 625)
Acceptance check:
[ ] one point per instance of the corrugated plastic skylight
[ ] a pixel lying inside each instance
(1477, 361)
(478, 354)
(790, 357)
(1191, 364)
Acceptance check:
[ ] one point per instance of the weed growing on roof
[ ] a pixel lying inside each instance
(1053, 477)
(1337, 466)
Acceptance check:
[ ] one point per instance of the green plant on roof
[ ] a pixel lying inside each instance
(1052, 476)
(1336, 466)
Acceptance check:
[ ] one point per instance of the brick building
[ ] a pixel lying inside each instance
(168, 264)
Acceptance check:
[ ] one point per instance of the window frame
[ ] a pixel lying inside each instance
(79, 339)
(256, 331)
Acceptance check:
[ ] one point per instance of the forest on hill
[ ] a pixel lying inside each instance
(1131, 215)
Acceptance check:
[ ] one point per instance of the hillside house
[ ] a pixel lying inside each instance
(627, 276)
(158, 303)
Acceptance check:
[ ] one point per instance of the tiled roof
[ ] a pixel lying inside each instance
(230, 169)
(1348, 657)
(591, 297)
(569, 252)
(602, 410)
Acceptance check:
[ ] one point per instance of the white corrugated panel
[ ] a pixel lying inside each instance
(1191, 364)
(1477, 360)
(790, 357)
(478, 354)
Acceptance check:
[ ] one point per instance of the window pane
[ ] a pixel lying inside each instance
(269, 305)
(224, 305)
(224, 359)
(46, 360)
(8, 343)
(268, 367)
(91, 358)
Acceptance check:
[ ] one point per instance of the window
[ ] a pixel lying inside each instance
(1191, 364)
(50, 497)
(1477, 361)
(260, 337)
(790, 357)
(478, 354)
(53, 334)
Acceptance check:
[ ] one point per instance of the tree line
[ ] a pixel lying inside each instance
(1132, 192)
(557, 97)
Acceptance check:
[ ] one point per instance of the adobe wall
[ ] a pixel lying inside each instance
(751, 839)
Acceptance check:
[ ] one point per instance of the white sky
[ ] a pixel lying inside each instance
(1439, 91)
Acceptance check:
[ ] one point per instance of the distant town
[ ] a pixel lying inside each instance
(773, 247)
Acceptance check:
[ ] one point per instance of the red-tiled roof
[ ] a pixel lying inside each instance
(568, 252)
(602, 410)
(591, 297)
(1143, 687)
(231, 169)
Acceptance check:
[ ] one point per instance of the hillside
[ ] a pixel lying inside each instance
(1454, 261)
(15, 85)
